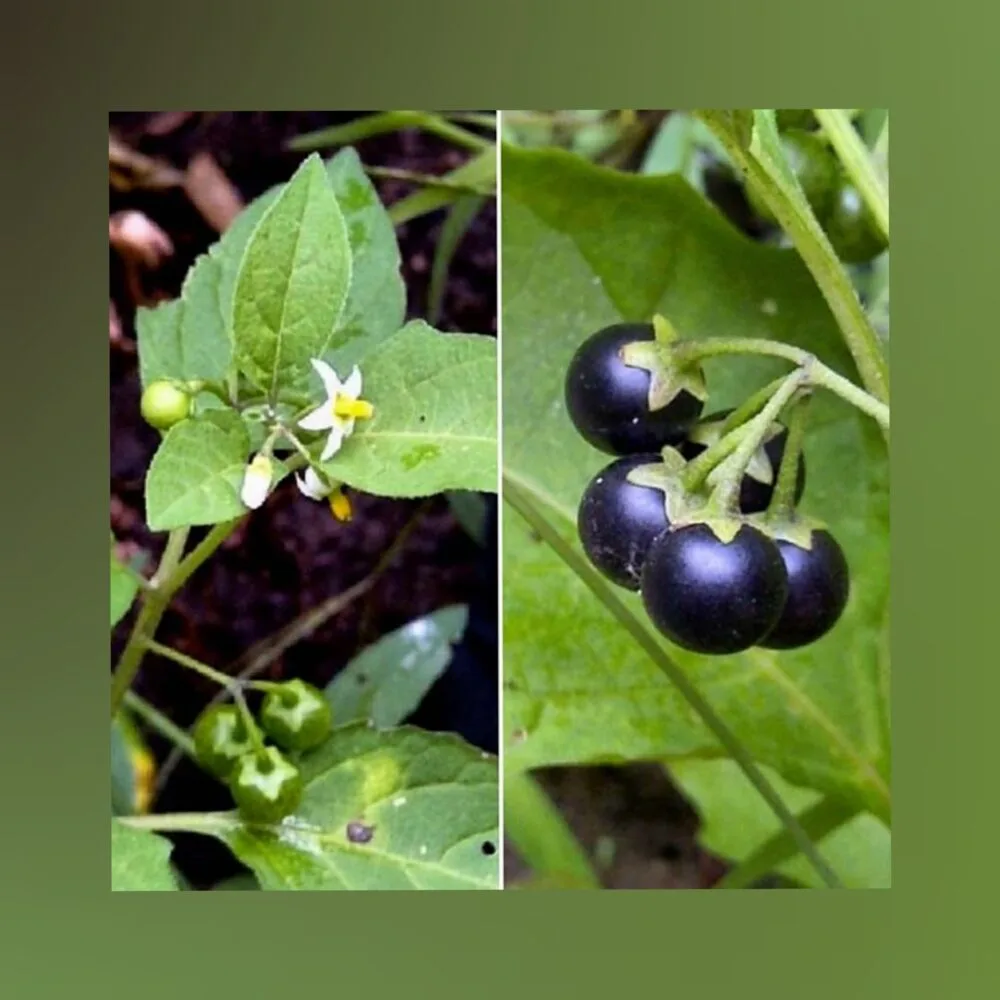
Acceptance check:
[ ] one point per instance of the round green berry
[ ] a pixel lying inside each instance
(296, 715)
(164, 404)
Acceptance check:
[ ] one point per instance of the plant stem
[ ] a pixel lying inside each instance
(783, 498)
(223, 680)
(820, 820)
(731, 433)
(813, 246)
(540, 833)
(155, 601)
(857, 163)
(730, 473)
(172, 573)
(158, 722)
(524, 505)
(426, 180)
(818, 373)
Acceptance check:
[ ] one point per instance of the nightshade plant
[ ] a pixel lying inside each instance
(286, 355)
(740, 633)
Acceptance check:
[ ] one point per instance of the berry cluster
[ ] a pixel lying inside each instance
(266, 786)
(712, 581)
(835, 200)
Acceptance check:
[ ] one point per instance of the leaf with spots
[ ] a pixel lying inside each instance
(292, 282)
(397, 809)
(140, 860)
(387, 681)
(585, 247)
(435, 422)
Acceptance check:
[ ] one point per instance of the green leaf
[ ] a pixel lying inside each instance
(124, 586)
(197, 473)
(386, 682)
(736, 822)
(585, 247)
(469, 509)
(435, 422)
(478, 174)
(187, 338)
(398, 809)
(460, 217)
(376, 302)
(293, 281)
(140, 860)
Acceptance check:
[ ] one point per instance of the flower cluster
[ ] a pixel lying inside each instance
(337, 415)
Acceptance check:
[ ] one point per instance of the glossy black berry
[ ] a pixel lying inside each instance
(618, 520)
(850, 227)
(608, 401)
(761, 477)
(818, 586)
(712, 596)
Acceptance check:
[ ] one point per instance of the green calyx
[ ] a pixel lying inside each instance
(266, 786)
(667, 378)
(296, 715)
(221, 738)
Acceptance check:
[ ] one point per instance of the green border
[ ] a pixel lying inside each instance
(73, 64)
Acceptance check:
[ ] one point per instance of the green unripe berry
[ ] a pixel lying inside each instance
(221, 738)
(266, 786)
(164, 404)
(851, 228)
(815, 168)
(296, 715)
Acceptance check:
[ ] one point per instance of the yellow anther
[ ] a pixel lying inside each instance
(358, 408)
(340, 505)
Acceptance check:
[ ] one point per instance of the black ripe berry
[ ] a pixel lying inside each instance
(608, 401)
(757, 486)
(818, 585)
(618, 520)
(712, 596)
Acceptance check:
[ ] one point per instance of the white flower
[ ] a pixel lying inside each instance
(340, 409)
(312, 486)
(257, 481)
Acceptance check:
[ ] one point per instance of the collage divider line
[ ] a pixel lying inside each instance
(499, 503)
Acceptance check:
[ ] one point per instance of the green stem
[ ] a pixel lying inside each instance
(813, 246)
(857, 163)
(426, 180)
(524, 505)
(698, 469)
(783, 499)
(158, 722)
(223, 680)
(172, 573)
(541, 835)
(819, 821)
(729, 474)
(749, 409)
(818, 373)
(731, 434)
(154, 604)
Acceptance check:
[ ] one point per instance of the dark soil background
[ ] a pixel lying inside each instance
(291, 554)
